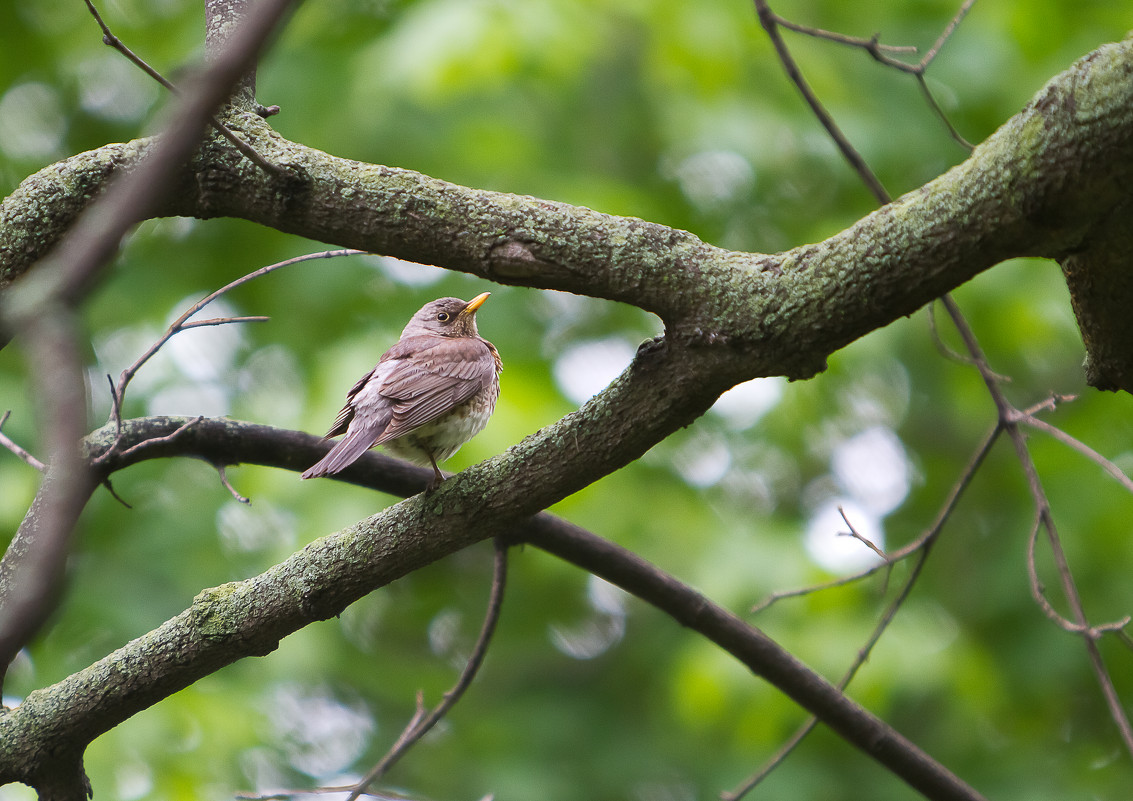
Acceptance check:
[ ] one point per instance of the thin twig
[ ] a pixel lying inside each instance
(1105, 464)
(223, 321)
(420, 725)
(781, 595)
(853, 532)
(880, 52)
(114, 493)
(906, 551)
(945, 35)
(182, 323)
(947, 351)
(930, 98)
(1049, 404)
(8, 443)
(220, 471)
(1038, 591)
(853, 41)
(770, 22)
(921, 546)
(1008, 417)
(247, 150)
(149, 443)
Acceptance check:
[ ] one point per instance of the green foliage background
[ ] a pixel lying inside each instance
(676, 112)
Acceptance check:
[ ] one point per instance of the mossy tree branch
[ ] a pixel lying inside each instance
(1048, 183)
(50, 729)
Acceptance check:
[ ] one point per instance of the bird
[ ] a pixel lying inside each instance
(431, 392)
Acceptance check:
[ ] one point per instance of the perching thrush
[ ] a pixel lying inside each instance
(429, 394)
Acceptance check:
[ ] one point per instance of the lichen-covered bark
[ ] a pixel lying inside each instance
(44, 206)
(1053, 181)
(248, 618)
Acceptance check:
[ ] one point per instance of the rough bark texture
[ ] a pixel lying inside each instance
(248, 618)
(1053, 181)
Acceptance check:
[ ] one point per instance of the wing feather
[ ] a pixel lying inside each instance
(433, 376)
(416, 381)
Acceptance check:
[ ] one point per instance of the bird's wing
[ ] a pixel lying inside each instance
(427, 376)
(415, 382)
(342, 422)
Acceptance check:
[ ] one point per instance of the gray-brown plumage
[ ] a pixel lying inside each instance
(429, 394)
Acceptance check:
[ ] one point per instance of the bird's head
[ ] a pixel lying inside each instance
(449, 317)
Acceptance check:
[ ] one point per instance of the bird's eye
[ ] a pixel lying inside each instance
(443, 316)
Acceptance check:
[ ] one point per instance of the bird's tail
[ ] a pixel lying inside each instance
(344, 454)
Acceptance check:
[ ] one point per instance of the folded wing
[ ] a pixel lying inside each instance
(417, 380)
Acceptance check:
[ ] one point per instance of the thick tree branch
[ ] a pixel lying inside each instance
(666, 387)
(248, 618)
(1046, 184)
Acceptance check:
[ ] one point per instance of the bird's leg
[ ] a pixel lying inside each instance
(438, 477)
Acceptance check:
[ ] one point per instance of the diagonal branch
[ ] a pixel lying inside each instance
(323, 578)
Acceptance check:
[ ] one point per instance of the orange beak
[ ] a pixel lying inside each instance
(475, 303)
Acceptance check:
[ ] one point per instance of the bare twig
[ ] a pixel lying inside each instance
(1105, 464)
(880, 53)
(782, 595)
(149, 443)
(8, 443)
(930, 98)
(770, 22)
(1049, 404)
(947, 351)
(182, 323)
(109, 485)
(220, 471)
(871, 44)
(853, 532)
(921, 547)
(223, 321)
(906, 551)
(420, 724)
(1008, 420)
(247, 150)
(945, 35)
